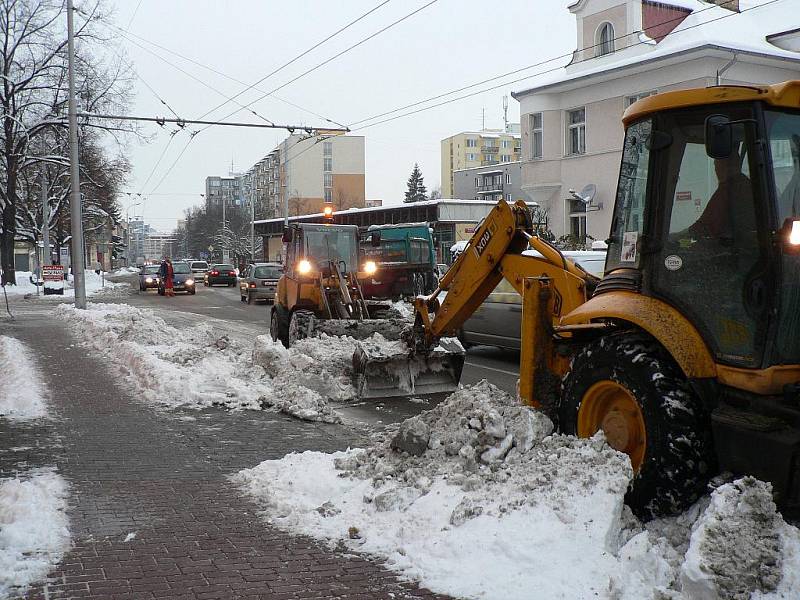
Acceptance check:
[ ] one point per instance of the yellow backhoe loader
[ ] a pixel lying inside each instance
(687, 352)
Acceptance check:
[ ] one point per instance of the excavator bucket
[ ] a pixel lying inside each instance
(392, 369)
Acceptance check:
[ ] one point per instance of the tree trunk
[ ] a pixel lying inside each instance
(7, 246)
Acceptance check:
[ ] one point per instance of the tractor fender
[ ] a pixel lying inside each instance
(663, 322)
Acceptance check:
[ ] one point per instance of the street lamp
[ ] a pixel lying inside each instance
(128, 230)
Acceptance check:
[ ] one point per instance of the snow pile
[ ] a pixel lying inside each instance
(22, 394)
(476, 498)
(94, 283)
(124, 271)
(192, 367)
(34, 534)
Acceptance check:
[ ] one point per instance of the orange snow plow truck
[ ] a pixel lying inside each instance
(686, 353)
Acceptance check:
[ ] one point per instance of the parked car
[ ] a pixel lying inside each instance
(199, 269)
(259, 282)
(182, 279)
(221, 273)
(498, 320)
(148, 277)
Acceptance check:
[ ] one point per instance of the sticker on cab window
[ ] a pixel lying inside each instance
(629, 239)
(673, 262)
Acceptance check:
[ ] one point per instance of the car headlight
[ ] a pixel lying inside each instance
(304, 267)
(370, 267)
(190, 282)
(148, 280)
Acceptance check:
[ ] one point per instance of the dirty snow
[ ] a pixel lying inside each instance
(23, 393)
(476, 498)
(193, 367)
(34, 530)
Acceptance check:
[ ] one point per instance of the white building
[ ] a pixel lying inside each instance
(628, 49)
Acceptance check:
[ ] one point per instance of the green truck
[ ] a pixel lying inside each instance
(405, 257)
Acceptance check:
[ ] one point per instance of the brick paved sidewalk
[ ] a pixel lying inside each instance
(135, 469)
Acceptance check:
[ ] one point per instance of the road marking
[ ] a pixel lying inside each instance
(514, 373)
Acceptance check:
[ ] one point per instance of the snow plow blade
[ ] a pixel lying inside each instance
(383, 371)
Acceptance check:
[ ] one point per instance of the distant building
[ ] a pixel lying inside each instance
(158, 245)
(477, 149)
(626, 50)
(224, 189)
(372, 203)
(495, 182)
(318, 169)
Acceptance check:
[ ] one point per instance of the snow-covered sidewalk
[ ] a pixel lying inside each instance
(34, 533)
(477, 499)
(95, 284)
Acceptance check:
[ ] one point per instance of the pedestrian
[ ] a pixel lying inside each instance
(169, 279)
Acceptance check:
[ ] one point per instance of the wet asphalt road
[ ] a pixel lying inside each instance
(225, 310)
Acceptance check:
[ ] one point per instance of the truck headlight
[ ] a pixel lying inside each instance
(370, 267)
(304, 267)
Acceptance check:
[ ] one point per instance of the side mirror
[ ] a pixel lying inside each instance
(719, 136)
(375, 239)
(287, 235)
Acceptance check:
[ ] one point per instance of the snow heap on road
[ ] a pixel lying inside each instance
(192, 367)
(22, 393)
(476, 498)
(34, 533)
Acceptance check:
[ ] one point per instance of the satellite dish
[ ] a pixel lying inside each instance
(587, 193)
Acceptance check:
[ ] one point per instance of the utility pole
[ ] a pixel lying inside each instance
(45, 220)
(286, 182)
(224, 234)
(74, 168)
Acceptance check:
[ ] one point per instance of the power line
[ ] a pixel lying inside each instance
(335, 56)
(537, 74)
(302, 54)
(183, 122)
(234, 79)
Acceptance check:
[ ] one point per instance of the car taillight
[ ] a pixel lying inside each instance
(232, 273)
(252, 285)
(215, 272)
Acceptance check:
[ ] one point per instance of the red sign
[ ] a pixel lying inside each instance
(53, 273)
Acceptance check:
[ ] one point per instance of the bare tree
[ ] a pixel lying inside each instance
(34, 97)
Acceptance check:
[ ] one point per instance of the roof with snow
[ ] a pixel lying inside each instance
(707, 27)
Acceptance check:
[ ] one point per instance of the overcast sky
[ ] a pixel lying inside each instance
(447, 45)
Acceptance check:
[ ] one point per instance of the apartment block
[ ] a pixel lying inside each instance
(308, 171)
(502, 181)
(224, 189)
(470, 149)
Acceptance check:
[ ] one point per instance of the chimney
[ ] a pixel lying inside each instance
(729, 4)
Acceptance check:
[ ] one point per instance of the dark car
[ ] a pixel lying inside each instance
(221, 273)
(148, 277)
(182, 279)
(259, 282)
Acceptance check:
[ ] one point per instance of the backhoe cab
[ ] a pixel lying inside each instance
(687, 352)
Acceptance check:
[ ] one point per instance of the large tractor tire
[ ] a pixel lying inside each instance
(300, 325)
(279, 325)
(629, 386)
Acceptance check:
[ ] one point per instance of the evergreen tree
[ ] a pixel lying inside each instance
(416, 188)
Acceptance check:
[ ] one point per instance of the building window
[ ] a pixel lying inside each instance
(577, 218)
(328, 195)
(328, 179)
(472, 143)
(327, 164)
(508, 197)
(631, 99)
(327, 148)
(605, 39)
(471, 156)
(490, 158)
(536, 135)
(576, 131)
(505, 158)
(508, 177)
(506, 143)
(477, 182)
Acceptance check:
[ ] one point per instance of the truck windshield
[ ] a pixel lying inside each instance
(784, 141)
(337, 245)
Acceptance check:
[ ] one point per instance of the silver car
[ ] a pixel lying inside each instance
(498, 321)
(259, 281)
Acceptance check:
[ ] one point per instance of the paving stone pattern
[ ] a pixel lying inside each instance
(134, 468)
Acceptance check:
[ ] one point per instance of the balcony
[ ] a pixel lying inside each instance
(489, 188)
(490, 149)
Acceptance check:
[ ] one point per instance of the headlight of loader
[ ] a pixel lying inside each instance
(304, 267)
(370, 267)
(794, 234)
